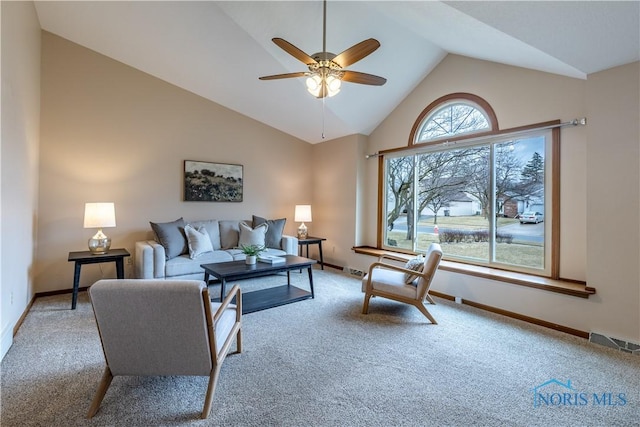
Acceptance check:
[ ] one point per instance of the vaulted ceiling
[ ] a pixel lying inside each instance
(218, 49)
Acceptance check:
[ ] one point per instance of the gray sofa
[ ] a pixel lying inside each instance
(172, 254)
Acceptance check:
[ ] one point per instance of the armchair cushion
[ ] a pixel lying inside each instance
(389, 280)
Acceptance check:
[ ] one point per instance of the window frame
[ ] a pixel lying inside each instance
(552, 239)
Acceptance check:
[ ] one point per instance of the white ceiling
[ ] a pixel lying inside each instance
(218, 49)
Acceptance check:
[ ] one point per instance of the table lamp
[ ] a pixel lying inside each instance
(99, 215)
(302, 214)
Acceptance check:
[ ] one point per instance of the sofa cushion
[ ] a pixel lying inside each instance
(183, 265)
(273, 237)
(171, 236)
(198, 241)
(252, 236)
(229, 233)
(213, 228)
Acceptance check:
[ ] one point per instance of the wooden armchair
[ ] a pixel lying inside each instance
(164, 327)
(390, 281)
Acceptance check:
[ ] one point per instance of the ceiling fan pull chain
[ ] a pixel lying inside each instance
(323, 100)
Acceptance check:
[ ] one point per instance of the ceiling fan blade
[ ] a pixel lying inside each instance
(363, 78)
(284, 76)
(294, 51)
(356, 52)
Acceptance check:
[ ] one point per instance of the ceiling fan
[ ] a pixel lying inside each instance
(326, 69)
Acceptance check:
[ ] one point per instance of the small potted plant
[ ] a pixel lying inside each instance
(252, 252)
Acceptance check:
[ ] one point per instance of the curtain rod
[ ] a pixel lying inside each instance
(575, 122)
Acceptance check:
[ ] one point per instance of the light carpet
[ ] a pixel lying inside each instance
(321, 362)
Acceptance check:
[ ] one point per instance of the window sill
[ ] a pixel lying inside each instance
(566, 287)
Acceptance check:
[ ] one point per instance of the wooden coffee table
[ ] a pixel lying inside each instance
(264, 298)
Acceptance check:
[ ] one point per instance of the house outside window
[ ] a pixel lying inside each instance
(483, 195)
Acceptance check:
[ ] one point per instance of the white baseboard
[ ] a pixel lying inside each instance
(6, 340)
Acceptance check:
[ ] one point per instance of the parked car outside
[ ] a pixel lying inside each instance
(533, 217)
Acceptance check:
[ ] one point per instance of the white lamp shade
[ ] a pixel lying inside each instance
(302, 213)
(99, 215)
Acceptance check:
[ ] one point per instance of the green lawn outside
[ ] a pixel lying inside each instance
(473, 222)
(508, 253)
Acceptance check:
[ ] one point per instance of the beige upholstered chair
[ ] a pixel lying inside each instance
(389, 281)
(164, 327)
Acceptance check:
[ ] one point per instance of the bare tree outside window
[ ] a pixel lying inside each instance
(453, 119)
(469, 199)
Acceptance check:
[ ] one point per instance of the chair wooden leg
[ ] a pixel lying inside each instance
(428, 298)
(424, 311)
(239, 341)
(102, 390)
(211, 389)
(365, 307)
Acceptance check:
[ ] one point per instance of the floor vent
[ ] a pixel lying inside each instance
(354, 272)
(624, 346)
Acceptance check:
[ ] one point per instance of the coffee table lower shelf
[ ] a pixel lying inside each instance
(272, 297)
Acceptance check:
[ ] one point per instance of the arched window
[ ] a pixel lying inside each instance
(453, 116)
(485, 194)
(453, 119)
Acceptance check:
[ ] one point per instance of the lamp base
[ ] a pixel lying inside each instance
(302, 231)
(99, 244)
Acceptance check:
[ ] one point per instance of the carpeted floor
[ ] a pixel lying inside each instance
(322, 363)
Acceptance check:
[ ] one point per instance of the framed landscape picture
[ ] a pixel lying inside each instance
(212, 182)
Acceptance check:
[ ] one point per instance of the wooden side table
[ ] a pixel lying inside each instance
(312, 241)
(86, 257)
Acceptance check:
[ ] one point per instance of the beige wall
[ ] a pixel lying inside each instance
(336, 166)
(613, 205)
(609, 180)
(19, 156)
(112, 133)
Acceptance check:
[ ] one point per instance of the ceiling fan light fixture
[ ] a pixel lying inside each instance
(326, 70)
(333, 85)
(316, 82)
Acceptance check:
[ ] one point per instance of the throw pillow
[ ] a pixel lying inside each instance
(415, 264)
(252, 236)
(229, 233)
(198, 240)
(273, 237)
(171, 236)
(213, 228)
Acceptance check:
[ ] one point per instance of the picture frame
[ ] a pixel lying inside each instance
(212, 182)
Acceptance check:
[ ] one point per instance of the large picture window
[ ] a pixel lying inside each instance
(486, 199)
